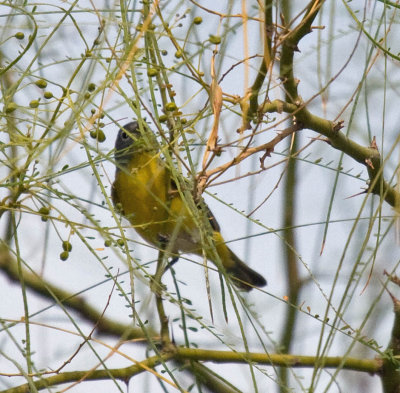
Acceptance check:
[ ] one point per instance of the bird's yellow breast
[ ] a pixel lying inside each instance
(143, 190)
(140, 190)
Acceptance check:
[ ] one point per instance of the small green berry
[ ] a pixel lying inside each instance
(20, 35)
(163, 118)
(66, 245)
(92, 87)
(107, 243)
(183, 120)
(34, 104)
(215, 39)
(151, 26)
(152, 72)
(64, 255)
(44, 212)
(41, 83)
(170, 107)
(120, 242)
(10, 107)
(101, 137)
(87, 95)
(178, 54)
(164, 52)
(198, 20)
(48, 95)
(98, 134)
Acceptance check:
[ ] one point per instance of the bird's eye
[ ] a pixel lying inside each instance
(124, 135)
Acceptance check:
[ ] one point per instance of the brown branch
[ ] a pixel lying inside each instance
(65, 299)
(202, 178)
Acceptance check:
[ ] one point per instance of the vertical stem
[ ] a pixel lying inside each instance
(24, 297)
(158, 289)
(293, 280)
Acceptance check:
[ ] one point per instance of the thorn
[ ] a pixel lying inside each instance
(322, 248)
(326, 140)
(358, 193)
(369, 163)
(266, 154)
(318, 27)
(393, 278)
(395, 301)
(338, 126)
(367, 283)
(373, 144)
(282, 16)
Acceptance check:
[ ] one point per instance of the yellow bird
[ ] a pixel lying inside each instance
(148, 197)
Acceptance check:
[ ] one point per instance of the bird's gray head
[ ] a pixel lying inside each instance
(126, 135)
(125, 142)
(132, 139)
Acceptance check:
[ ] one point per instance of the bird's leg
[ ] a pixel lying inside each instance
(164, 245)
(172, 262)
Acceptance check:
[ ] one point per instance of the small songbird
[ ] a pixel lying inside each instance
(147, 196)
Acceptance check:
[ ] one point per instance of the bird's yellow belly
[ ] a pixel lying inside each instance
(141, 193)
(158, 217)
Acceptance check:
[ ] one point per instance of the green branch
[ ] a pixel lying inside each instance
(368, 156)
(124, 374)
(372, 366)
(290, 45)
(390, 370)
(265, 65)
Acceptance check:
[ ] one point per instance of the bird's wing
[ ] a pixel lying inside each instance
(211, 218)
(201, 205)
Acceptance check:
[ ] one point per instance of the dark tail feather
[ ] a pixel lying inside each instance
(244, 277)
